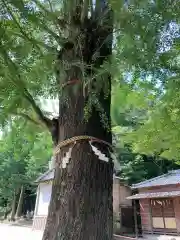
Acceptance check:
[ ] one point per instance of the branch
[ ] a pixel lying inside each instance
(92, 10)
(53, 17)
(97, 7)
(85, 8)
(20, 84)
(27, 117)
(17, 23)
(37, 109)
(50, 5)
(25, 34)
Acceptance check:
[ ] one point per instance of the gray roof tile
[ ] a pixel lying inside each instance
(170, 178)
(48, 175)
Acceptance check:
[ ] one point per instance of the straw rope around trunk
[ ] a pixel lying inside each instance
(77, 139)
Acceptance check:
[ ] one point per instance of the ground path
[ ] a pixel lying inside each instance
(11, 232)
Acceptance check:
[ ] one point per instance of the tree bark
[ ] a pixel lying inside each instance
(81, 201)
(13, 209)
(20, 203)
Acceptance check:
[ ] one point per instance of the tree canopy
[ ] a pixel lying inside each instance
(146, 53)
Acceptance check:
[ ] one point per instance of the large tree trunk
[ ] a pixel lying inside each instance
(81, 202)
(20, 203)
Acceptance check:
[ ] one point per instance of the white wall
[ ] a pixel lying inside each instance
(44, 198)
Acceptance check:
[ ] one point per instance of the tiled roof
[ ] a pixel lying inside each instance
(48, 175)
(155, 195)
(170, 178)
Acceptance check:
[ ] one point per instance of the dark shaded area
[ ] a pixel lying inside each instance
(29, 201)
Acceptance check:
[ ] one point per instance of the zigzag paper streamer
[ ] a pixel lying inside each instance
(98, 153)
(65, 160)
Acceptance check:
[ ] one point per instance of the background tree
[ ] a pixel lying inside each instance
(62, 50)
(129, 112)
(21, 161)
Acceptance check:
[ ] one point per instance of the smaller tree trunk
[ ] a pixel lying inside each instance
(7, 211)
(20, 203)
(13, 208)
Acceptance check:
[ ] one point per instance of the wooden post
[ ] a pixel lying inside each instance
(135, 219)
(150, 212)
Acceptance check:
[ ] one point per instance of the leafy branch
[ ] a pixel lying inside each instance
(27, 117)
(23, 90)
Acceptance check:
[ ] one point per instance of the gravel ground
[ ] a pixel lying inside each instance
(8, 232)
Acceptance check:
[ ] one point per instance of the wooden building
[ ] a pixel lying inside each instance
(43, 197)
(159, 200)
(121, 206)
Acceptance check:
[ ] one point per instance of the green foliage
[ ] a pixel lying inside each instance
(31, 33)
(24, 152)
(146, 95)
(147, 138)
(136, 167)
(158, 133)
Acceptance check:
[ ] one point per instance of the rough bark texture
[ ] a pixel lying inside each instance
(81, 202)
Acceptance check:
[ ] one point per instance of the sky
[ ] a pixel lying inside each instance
(51, 106)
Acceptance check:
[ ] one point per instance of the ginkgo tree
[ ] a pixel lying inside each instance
(159, 134)
(70, 51)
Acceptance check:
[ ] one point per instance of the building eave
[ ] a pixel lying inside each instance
(151, 195)
(41, 178)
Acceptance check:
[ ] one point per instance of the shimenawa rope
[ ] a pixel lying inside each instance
(79, 138)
